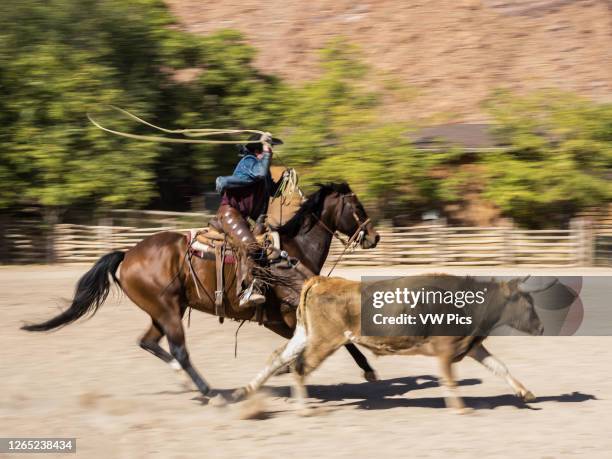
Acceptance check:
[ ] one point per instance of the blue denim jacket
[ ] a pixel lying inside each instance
(249, 170)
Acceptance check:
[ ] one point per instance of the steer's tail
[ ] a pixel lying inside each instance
(302, 316)
(91, 291)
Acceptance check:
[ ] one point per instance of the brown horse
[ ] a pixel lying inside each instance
(159, 278)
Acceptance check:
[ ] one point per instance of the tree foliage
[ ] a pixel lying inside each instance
(60, 59)
(558, 159)
(335, 131)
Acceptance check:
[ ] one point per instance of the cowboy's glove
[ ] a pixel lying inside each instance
(266, 137)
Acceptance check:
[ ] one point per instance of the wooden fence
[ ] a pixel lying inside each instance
(80, 243)
(23, 241)
(419, 245)
(26, 241)
(473, 246)
(602, 246)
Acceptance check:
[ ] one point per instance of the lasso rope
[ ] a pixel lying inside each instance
(287, 187)
(203, 132)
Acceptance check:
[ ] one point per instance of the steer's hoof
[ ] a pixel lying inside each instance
(239, 394)
(464, 410)
(306, 411)
(370, 376)
(528, 397)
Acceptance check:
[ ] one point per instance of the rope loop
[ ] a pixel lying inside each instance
(202, 132)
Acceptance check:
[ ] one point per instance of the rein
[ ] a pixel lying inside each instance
(351, 244)
(353, 241)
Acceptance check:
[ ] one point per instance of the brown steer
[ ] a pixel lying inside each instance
(329, 316)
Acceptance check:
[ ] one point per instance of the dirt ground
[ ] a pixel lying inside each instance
(91, 381)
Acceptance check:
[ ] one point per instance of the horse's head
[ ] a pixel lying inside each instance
(335, 207)
(343, 212)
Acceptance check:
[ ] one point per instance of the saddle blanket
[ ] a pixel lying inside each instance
(200, 250)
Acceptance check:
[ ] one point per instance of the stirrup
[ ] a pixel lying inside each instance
(250, 297)
(282, 260)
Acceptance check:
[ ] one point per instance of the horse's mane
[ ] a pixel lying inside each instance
(313, 206)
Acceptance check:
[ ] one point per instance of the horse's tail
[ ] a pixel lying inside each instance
(91, 291)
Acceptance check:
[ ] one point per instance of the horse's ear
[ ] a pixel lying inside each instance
(346, 188)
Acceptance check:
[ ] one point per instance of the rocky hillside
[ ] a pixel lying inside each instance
(450, 54)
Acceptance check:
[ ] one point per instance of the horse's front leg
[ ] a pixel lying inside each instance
(368, 372)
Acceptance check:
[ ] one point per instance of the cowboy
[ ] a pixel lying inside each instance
(245, 194)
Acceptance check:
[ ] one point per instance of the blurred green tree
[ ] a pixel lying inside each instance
(336, 132)
(558, 159)
(61, 58)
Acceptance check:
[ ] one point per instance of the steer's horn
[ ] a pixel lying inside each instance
(540, 286)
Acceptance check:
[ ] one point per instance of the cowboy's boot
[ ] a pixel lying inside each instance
(252, 296)
(241, 237)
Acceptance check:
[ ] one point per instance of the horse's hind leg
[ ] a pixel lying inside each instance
(150, 343)
(173, 328)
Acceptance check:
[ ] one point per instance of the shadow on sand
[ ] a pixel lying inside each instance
(388, 394)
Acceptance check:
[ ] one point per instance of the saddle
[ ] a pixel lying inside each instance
(211, 237)
(212, 240)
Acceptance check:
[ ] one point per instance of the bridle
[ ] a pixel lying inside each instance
(356, 238)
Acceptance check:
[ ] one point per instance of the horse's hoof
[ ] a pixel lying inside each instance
(528, 396)
(202, 387)
(370, 376)
(239, 394)
(218, 401)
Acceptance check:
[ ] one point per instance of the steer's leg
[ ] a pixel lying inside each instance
(300, 393)
(278, 360)
(497, 367)
(284, 369)
(317, 350)
(449, 385)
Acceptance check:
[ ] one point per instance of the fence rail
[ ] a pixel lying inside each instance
(82, 243)
(433, 244)
(472, 246)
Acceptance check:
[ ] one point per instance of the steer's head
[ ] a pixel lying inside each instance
(519, 312)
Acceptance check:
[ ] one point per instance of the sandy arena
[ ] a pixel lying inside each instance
(91, 381)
